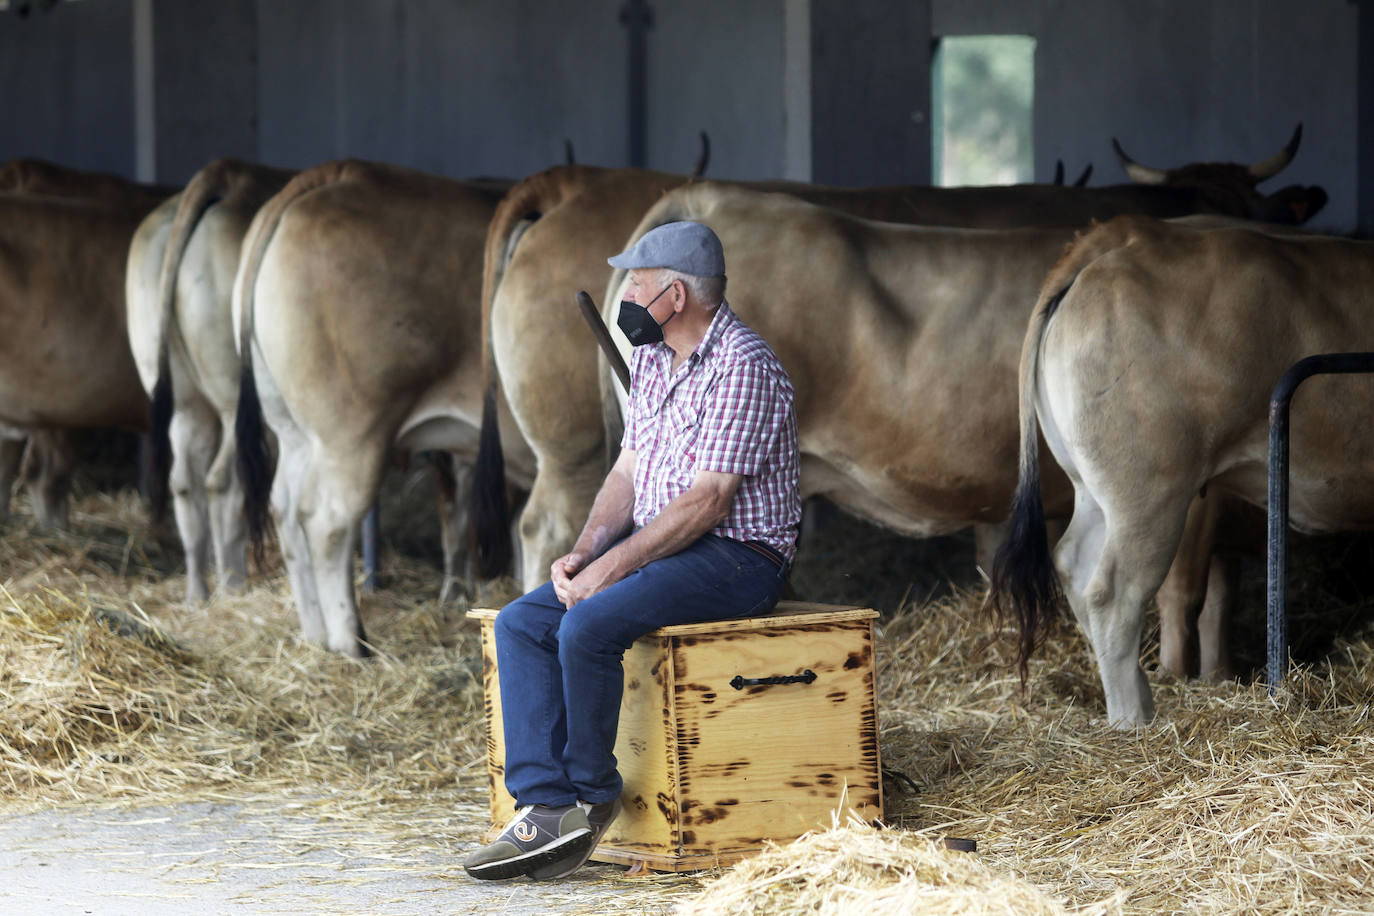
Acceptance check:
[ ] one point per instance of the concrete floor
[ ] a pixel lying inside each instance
(207, 858)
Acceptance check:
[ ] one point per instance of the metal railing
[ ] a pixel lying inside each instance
(1324, 364)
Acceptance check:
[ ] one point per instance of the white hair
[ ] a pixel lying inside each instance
(709, 291)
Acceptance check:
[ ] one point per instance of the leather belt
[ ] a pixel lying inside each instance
(768, 552)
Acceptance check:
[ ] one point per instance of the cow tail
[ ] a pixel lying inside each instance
(1024, 582)
(524, 204)
(206, 189)
(490, 508)
(254, 458)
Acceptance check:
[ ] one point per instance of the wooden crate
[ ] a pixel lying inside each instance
(714, 766)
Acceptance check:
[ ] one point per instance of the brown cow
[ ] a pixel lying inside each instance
(65, 359)
(1148, 366)
(921, 439)
(357, 305)
(551, 236)
(180, 279)
(37, 176)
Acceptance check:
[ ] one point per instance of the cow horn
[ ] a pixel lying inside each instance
(1276, 163)
(1082, 180)
(1058, 171)
(568, 156)
(1140, 174)
(704, 159)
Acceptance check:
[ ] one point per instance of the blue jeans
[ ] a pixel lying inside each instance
(561, 670)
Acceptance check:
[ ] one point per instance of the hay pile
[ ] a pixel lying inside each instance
(102, 703)
(859, 869)
(1231, 802)
(110, 690)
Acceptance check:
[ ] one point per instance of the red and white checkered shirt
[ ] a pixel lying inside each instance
(727, 409)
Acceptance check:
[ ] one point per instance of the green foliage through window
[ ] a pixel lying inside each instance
(983, 88)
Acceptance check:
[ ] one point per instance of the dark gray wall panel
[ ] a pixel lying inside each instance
(67, 75)
(465, 87)
(480, 87)
(717, 66)
(205, 84)
(870, 85)
(1365, 118)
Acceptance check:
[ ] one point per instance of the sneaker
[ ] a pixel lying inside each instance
(599, 817)
(537, 837)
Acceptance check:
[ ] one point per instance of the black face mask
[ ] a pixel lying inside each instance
(639, 326)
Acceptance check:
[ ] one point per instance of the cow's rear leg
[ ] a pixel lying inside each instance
(1111, 566)
(48, 466)
(292, 464)
(193, 434)
(228, 529)
(336, 495)
(987, 537)
(1214, 623)
(11, 455)
(552, 519)
(454, 479)
(1182, 595)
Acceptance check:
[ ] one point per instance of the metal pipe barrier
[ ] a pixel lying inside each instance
(1323, 364)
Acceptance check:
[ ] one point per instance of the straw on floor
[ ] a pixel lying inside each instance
(1232, 801)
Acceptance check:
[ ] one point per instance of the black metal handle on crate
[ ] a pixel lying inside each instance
(806, 677)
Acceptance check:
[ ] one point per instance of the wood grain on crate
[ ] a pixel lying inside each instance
(713, 770)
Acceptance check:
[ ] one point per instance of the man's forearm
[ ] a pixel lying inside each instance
(612, 515)
(681, 522)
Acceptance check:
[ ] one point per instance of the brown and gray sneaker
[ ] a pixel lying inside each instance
(536, 838)
(600, 818)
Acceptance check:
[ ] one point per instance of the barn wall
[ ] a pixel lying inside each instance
(806, 88)
(1180, 81)
(68, 86)
(870, 93)
(1365, 143)
(717, 66)
(483, 87)
(205, 93)
(494, 87)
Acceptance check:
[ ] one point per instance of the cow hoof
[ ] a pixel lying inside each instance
(452, 590)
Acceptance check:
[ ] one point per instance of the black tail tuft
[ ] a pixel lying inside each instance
(160, 445)
(1024, 583)
(255, 464)
(490, 512)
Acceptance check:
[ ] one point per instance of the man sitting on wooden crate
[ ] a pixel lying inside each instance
(696, 521)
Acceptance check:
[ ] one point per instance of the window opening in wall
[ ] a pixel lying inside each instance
(983, 87)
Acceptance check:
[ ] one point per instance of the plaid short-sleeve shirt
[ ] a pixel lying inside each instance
(727, 409)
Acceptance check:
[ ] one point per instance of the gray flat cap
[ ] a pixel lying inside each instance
(688, 247)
